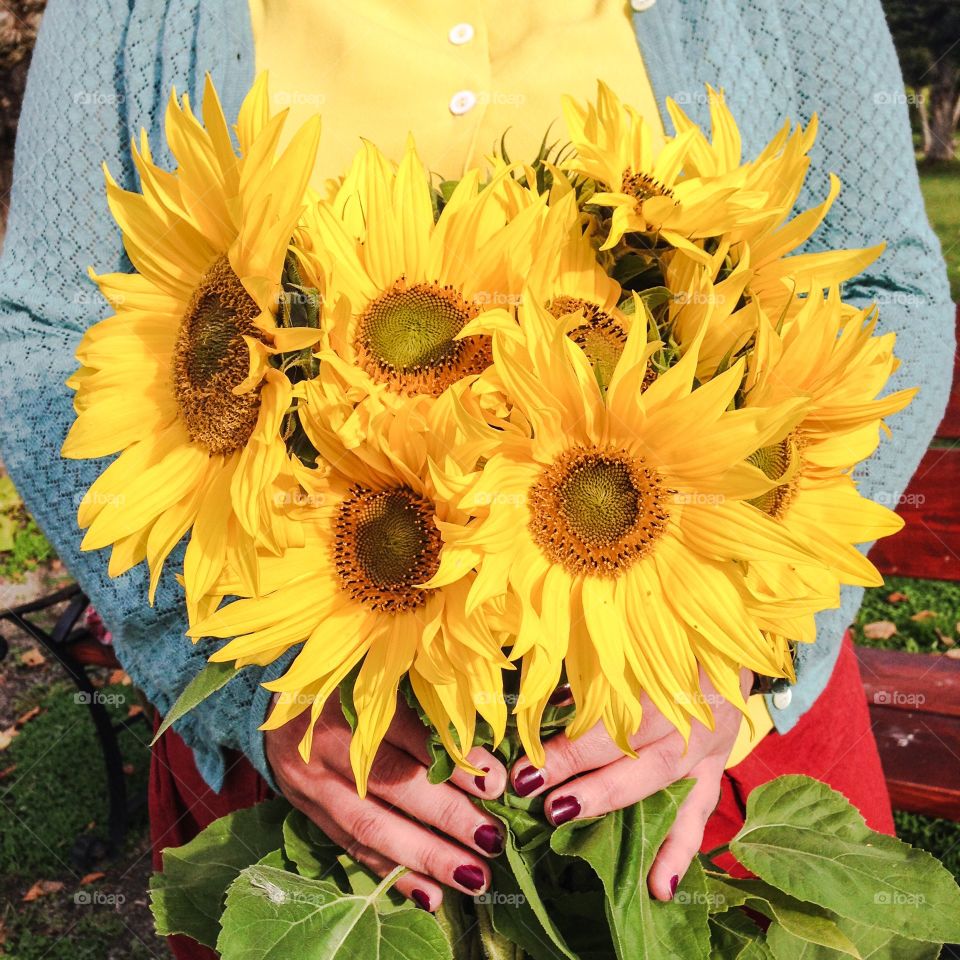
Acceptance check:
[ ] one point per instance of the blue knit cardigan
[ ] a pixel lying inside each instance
(103, 69)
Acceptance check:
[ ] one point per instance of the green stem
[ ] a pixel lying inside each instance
(495, 946)
(460, 930)
(388, 881)
(716, 851)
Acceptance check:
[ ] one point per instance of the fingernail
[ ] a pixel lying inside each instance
(489, 839)
(674, 880)
(421, 899)
(527, 780)
(563, 809)
(480, 781)
(561, 694)
(469, 876)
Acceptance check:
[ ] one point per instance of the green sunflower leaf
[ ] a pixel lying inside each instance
(874, 945)
(311, 851)
(620, 848)
(515, 899)
(188, 897)
(208, 681)
(804, 921)
(807, 840)
(272, 914)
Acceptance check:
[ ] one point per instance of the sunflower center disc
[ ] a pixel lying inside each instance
(387, 542)
(642, 186)
(774, 462)
(596, 510)
(601, 338)
(406, 338)
(211, 358)
(599, 500)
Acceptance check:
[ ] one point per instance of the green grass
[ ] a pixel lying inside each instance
(915, 636)
(58, 789)
(55, 793)
(30, 549)
(939, 837)
(941, 190)
(95, 936)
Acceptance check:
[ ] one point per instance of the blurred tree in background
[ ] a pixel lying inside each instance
(927, 35)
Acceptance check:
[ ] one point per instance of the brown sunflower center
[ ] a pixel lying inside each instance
(406, 338)
(596, 510)
(386, 543)
(774, 461)
(600, 337)
(643, 186)
(211, 358)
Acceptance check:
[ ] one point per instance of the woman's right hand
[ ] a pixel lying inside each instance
(391, 825)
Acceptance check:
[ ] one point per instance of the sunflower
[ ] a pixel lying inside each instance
(650, 192)
(570, 282)
(413, 281)
(620, 528)
(353, 592)
(830, 353)
(765, 245)
(178, 380)
(708, 298)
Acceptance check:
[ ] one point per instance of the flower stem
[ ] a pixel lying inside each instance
(495, 946)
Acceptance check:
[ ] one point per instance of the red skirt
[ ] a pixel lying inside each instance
(832, 742)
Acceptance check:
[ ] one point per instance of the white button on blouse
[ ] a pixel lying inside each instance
(461, 33)
(462, 101)
(782, 698)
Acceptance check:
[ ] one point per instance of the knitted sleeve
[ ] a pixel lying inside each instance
(75, 117)
(845, 68)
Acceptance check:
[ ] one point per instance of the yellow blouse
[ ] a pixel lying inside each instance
(457, 75)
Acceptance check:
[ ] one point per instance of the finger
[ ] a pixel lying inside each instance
(408, 733)
(620, 783)
(370, 823)
(400, 781)
(424, 892)
(683, 841)
(565, 758)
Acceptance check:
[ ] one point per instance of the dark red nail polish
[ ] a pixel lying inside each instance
(481, 781)
(526, 781)
(561, 694)
(421, 899)
(563, 809)
(469, 876)
(489, 839)
(674, 880)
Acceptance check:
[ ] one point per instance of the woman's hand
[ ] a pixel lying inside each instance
(591, 776)
(391, 825)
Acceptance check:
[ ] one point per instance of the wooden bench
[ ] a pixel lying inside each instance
(915, 698)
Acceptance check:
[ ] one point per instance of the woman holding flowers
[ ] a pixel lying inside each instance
(520, 474)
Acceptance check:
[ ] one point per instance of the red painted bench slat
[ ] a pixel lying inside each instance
(950, 426)
(914, 704)
(919, 753)
(910, 681)
(929, 545)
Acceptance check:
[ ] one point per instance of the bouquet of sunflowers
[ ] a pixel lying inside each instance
(584, 419)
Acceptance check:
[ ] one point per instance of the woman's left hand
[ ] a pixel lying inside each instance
(591, 776)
